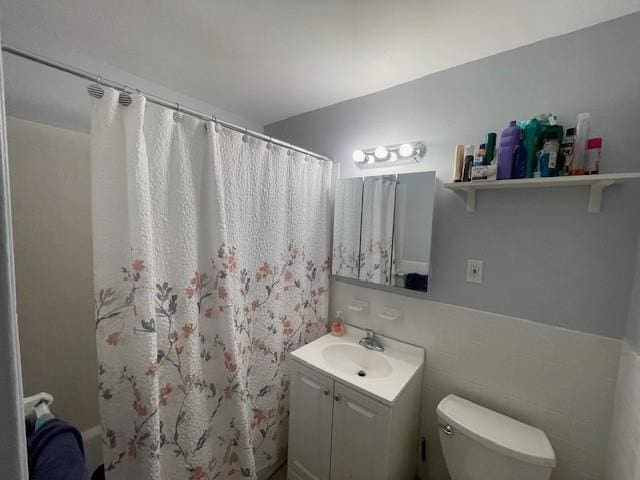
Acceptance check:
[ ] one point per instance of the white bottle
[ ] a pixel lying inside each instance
(580, 147)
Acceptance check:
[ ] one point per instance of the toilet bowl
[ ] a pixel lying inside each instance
(480, 444)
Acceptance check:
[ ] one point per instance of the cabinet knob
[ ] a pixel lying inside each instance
(326, 391)
(337, 397)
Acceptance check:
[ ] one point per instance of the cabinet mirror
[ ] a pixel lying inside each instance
(382, 230)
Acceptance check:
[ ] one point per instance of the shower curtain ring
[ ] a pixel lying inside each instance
(95, 89)
(245, 137)
(125, 98)
(177, 115)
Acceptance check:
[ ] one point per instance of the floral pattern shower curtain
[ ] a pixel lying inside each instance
(376, 241)
(211, 261)
(346, 227)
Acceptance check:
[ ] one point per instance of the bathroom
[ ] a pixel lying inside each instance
(240, 240)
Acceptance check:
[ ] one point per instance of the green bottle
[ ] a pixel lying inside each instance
(490, 148)
(531, 133)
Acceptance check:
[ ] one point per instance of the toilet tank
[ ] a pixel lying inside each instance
(480, 444)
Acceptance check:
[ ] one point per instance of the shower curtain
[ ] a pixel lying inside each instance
(378, 202)
(211, 262)
(346, 227)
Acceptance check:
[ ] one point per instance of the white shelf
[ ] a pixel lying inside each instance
(596, 184)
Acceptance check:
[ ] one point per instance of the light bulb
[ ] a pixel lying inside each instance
(406, 150)
(371, 159)
(380, 152)
(358, 156)
(393, 157)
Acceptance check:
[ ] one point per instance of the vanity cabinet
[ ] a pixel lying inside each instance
(339, 433)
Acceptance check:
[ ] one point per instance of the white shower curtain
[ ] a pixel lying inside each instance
(346, 227)
(211, 260)
(377, 229)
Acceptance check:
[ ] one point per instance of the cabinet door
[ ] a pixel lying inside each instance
(361, 432)
(311, 410)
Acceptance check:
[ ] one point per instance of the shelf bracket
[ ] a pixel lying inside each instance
(471, 199)
(595, 195)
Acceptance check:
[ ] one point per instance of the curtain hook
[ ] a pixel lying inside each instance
(245, 137)
(216, 125)
(270, 143)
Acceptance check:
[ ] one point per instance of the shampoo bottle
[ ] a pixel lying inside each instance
(508, 142)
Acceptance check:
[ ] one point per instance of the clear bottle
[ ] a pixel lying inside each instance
(580, 147)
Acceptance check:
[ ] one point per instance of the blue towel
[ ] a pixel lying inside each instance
(56, 452)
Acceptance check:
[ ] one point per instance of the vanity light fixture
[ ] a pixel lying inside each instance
(359, 156)
(381, 153)
(384, 155)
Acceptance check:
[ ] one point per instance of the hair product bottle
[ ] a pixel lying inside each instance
(508, 142)
(458, 163)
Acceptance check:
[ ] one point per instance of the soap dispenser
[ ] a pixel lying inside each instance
(337, 327)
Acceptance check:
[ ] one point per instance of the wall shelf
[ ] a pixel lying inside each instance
(596, 184)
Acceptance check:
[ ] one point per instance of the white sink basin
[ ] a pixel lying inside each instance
(357, 360)
(386, 374)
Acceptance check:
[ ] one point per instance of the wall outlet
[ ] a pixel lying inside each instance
(474, 271)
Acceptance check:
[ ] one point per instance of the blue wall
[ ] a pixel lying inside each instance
(546, 258)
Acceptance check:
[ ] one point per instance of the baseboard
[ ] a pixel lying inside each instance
(266, 472)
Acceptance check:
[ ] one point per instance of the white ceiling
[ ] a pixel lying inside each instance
(269, 60)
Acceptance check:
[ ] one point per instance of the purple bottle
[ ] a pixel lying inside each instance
(509, 140)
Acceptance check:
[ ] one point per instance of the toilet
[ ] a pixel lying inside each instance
(480, 444)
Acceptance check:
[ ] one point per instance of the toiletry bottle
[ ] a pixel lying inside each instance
(468, 163)
(508, 141)
(482, 152)
(520, 158)
(479, 169)
(548, 156)
(531, 131)
(337, 327)
(580, 147)
(490, 148)
(594, 148)
(566, 152)
(458, 163)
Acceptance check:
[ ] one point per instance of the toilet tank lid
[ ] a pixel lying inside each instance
(497, 432)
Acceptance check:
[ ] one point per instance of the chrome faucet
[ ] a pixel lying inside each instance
(371, 341)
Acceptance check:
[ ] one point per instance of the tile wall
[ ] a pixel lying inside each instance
(559, 380)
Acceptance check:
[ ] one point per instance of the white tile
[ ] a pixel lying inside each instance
(559, 380)
(594, 399)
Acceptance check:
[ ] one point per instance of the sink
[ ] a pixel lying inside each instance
(356, 360)
(380, 375)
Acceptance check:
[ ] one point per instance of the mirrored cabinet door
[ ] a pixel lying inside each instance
(346, 227)
(415, 196)
(382, 230)
(376, 234)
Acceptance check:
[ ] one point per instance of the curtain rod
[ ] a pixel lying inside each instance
(151, 98)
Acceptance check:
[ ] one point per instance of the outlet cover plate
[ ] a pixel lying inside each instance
(474, 271)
